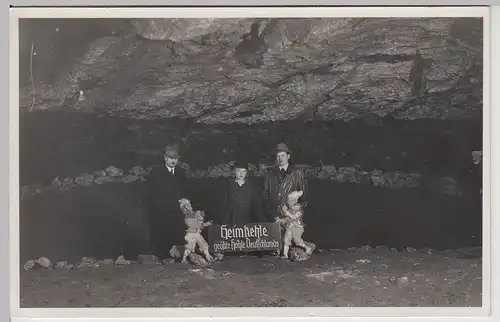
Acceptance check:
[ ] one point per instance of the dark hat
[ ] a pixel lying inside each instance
(172, 151)
(282, 147)
(240, 163)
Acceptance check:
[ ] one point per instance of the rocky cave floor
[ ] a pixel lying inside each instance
(356, 278)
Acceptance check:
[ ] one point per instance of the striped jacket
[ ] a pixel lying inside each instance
(277, 188)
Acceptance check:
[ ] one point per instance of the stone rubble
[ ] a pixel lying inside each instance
(109, 175)
(402, 281)
(87, 262)
(137, 171)
(63, 265)
(129, 178)
(84, 263)
(29, 265)
(197, 260)
(100, 173)
(194, 259)
(44, 262)
(353, 175)
(113, 171)
(121, 261)
(298, 254)
(84, 180)
(176, 252)
(168, 261)
(101, 180)
(218, 256)
(56, 183)
(106, 262)
(68, 183)
(148, 259)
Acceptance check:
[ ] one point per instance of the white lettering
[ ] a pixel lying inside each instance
(239, 232)
(223, 231)
(245, 244)
(256, 231)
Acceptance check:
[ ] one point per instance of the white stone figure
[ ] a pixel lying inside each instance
(195, 222)
(291, 220)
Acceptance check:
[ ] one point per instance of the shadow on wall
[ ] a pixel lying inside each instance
(108, 220)
(70, 144)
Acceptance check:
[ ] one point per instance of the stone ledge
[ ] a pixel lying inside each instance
(353, 174)
(93, 263)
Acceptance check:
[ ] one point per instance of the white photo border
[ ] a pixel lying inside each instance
(132, 314)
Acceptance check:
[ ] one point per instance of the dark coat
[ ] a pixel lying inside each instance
(166, 220)
(242, 205)
(277, 188)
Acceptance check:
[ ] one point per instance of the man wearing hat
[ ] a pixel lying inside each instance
(165, 187)
(281, 180)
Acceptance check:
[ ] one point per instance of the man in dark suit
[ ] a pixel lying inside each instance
(281, 180)
(165, 187)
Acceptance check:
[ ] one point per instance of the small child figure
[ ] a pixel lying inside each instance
(292, 221)
(195, 221)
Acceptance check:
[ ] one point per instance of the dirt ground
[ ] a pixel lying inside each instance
(357, 278)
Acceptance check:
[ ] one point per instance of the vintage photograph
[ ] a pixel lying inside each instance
(251, 162)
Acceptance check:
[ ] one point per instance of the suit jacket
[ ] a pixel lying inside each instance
(242, 205)
(166, 220)
(164, 190)
(277, 188)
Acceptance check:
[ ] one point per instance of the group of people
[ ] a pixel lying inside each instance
(282, 199)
